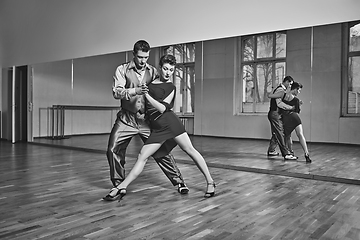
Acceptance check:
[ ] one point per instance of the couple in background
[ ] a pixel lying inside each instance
(284, 119)
(146, 101)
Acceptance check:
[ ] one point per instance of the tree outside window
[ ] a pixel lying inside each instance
(184, 77)
(263, 65)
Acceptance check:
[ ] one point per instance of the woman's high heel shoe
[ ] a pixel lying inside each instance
(120, 193)
(307, 158)
(210, 194)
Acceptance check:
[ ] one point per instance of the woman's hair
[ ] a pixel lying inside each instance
(296, 85)
(167, 59)
(141, 45)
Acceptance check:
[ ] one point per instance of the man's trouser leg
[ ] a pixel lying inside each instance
(168, 166)
(278, 131)
(120, 137)
(164, 159)
(273, 143)
(289, 144)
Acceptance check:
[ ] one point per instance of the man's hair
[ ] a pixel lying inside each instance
(288, 78)
(141, 45)
(296, 85)
(167, 59)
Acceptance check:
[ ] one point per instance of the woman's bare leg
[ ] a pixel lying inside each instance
(300, 135)
(185, 144)
(145, 152)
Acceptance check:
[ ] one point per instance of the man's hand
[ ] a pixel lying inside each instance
(142, 89)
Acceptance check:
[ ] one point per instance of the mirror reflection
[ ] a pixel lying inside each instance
(221, 98)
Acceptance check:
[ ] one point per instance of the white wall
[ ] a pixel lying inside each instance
(217, 69)
(36, 31)
(90, 85)
(40, 31)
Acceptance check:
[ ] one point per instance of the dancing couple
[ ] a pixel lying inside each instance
(152, 100)
(284, 119)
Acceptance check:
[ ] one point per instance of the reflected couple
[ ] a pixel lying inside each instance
(290, 116)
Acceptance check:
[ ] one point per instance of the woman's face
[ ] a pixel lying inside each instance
(166, 71)
(296, 91)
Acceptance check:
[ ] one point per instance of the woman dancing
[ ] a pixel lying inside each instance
(166, 128)
(291, 118)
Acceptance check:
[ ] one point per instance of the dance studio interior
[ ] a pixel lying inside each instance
(58, 60)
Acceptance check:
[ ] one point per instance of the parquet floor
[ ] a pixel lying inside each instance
(49, 192)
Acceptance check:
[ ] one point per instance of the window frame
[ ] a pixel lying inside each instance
(256, 106)
(345, 69)
(184, 65)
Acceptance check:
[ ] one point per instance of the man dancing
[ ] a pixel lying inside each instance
(130, 86)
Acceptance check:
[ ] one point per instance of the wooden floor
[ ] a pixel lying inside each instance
(332, 162)
(54, 192)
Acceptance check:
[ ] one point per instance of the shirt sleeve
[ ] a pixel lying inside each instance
(279, 101)
(119, 83)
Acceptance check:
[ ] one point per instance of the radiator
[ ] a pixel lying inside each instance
(184, 122)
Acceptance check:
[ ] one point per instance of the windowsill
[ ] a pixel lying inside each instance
(350, 115)
(184, 115)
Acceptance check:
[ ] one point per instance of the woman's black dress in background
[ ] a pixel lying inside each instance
(291, 118)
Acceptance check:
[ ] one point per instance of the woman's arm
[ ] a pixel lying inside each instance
(297, 106)
(163, 105)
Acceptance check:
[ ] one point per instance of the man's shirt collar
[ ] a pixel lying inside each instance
(133, 65)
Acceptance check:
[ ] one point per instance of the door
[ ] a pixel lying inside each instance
(19, 103)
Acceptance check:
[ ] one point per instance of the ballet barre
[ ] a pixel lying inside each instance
(57, 113)
(57, 117)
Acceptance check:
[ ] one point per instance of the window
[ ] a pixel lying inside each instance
(184, 77)
(351, 83)
(263, 62)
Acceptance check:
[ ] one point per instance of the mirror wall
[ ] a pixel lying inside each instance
(222, 88)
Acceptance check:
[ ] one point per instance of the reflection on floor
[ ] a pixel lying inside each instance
(331, 162)
(49, 193)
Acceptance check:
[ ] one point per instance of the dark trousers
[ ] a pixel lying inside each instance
(277, 133)
(289, 143)
(120, 137)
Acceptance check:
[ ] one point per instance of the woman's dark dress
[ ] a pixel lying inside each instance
(164, 126)
(291, 118)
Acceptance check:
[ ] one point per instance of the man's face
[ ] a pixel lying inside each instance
(140, 59)
(287, 84)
